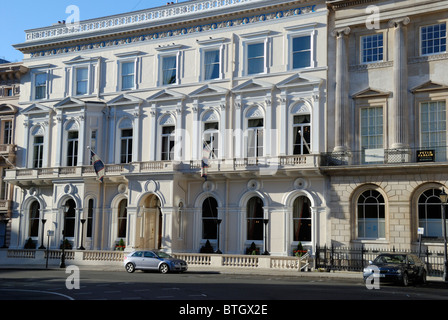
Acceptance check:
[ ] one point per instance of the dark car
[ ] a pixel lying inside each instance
(153, 260)
(396, 267)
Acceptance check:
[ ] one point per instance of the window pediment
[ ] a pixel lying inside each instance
(371, 93)
(125, 99)
(429, 86)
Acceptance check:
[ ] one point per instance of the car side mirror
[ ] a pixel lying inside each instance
(370, 261)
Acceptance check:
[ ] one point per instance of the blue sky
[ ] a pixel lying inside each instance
(20, 15)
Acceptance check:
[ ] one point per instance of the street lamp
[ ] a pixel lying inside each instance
(82, 233)
(42, 235)
(218, 221)
(266, 252)
(65, 209)
(444, 198)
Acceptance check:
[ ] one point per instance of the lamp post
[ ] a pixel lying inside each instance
(444, 198)
(42, 234)
(82, 233)
(218, 221)
(65, 209)
(266, 252)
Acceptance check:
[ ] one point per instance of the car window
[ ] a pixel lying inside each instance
(138, 254)
(390, 258)
(149, 254)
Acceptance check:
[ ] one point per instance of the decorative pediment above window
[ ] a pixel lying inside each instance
(80, 59)
(429, 86)
(299, 80)
(70, 103)
(37, 108)
(165, 95)
(371, 93)
(125, 99)
(253, 85)
(7, 109)
(208, 90)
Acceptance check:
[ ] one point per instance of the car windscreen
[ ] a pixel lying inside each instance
(390, 258)
(163, 254)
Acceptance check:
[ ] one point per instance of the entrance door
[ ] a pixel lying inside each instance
(149, 224)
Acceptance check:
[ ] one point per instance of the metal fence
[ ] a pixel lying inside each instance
(356, 258)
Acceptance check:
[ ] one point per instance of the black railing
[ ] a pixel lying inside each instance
(356, 258)
(385, 156)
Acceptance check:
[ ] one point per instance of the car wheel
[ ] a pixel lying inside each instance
(130, 267)
(164, 268)
(405, 280)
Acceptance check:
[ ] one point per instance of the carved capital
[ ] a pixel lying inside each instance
(341, 32)
(399, 22)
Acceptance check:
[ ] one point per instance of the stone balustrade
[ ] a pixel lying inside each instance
(115, 258)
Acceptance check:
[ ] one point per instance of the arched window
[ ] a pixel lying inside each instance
(255, 138)
(371, 215)
(209, 217)
(69, 220)
(430, 213)
(255, 219)
(34, 219)
(301, 216)
(122, 218)
(302, 134)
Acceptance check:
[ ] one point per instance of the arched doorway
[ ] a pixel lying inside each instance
(149, 224)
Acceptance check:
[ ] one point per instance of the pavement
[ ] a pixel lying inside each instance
(217, 270)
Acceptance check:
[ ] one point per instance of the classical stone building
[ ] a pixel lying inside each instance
(10, 75)
(152, 92)
(387, 142)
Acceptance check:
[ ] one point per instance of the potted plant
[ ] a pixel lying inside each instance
(66, 244)
(30, 244)
(120, 246)
(207, 248)
(299, 251)
(253, 250)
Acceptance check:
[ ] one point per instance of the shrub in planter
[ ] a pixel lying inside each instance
(66, 244)
(253, 250)
(207, 248)
(30, 244)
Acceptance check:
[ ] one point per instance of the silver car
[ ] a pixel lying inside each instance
(153, 260)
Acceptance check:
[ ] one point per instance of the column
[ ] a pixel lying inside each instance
(342, 86)
(400, 83)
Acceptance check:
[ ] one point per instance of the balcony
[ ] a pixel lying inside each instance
(7, 155)
(283, 165)
(411, 157)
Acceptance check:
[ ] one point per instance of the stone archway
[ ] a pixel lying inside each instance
(149, 223)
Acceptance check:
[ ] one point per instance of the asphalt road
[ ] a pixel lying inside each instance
(192, 292)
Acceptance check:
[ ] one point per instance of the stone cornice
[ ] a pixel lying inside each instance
(59, 47)
(338, 4)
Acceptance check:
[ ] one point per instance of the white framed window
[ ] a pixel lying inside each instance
(81, 81)
(126, 145)
(169, 69)
(40, 85)
(168, 139)
(371, 211)
(301, 52)
(72, 148)
(433, 39)
(300, 41)
(372, 48)
(255, 137)
(127, 75)
(38, 151)
(433, 127)
(211, 138)
(302, 134)
(256, 52)
(212, 64)
(255, 58)
(372, 128)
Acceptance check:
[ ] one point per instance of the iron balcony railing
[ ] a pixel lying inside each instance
(386, 156)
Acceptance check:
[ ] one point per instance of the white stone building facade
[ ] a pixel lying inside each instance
(388, 92)
(146, 91)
